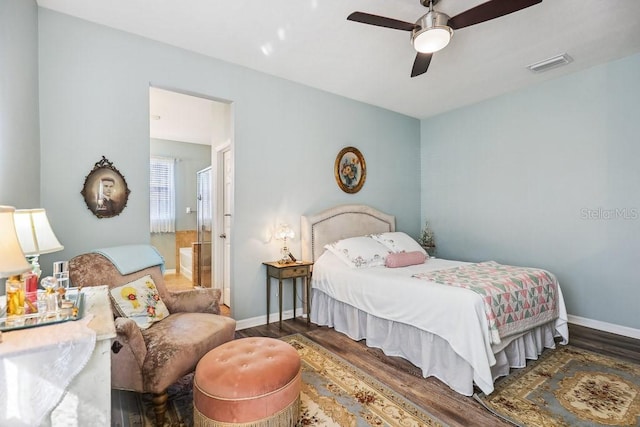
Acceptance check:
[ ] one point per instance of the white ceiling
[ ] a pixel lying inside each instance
(181, 117)
(311, 42)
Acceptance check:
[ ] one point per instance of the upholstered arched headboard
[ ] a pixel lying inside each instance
(341, 222)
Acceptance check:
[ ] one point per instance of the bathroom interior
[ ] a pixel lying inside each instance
(187, 253)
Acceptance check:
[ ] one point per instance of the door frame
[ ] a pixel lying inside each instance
(201, 206)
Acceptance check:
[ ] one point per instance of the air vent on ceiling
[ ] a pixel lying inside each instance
(549, 63)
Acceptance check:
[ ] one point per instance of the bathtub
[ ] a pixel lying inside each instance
(186, 257)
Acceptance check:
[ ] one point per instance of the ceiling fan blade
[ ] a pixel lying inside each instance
(421, 64)
(381, 21)
(487, 11)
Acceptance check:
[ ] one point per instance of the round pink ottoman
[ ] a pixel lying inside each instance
(248, 381)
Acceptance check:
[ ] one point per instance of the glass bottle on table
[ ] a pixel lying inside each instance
(31, 292)
(15, 292)
(50, 285)
(61, 274)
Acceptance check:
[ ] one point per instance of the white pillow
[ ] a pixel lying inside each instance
(397, 241)
(359, 252)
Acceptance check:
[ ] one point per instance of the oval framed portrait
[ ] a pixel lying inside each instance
(105, 190)
(350, 170)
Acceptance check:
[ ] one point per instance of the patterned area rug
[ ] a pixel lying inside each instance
(569, 387)
(334, 393)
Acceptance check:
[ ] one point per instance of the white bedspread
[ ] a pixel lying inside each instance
(455, 314)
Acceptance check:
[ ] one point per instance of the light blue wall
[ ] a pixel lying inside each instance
(190, 158)
(19, 130)
(94, 85)
(530, 178)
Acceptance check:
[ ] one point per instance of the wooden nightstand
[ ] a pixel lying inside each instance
(291, 270)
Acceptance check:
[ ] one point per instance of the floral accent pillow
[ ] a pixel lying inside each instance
(140, 301)
(359, 252)
(397, 241)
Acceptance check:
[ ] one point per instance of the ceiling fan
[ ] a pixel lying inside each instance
(433, 31)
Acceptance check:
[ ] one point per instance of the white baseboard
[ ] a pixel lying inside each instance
(604, 326)
(170, 271)
(262, 320)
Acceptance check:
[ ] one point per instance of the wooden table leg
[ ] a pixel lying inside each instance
(308, 297)
(280, 300)
(268, 294)
(294, 297)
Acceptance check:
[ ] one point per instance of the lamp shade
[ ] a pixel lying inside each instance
(12, 259)
(34, 232)
(285, 232)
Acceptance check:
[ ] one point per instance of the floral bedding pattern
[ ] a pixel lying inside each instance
(515, 298)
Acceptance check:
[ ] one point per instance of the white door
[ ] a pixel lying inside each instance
(227, 183)
(223, 210)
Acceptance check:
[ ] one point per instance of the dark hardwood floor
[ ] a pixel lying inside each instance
(431, 394)
(605, 343)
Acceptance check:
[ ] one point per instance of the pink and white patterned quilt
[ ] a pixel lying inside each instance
(515, 298)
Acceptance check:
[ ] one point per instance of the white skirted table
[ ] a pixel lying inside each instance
(60, 375)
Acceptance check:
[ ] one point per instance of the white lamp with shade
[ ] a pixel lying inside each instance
(12, 259)
(283, 233)
(35, 235)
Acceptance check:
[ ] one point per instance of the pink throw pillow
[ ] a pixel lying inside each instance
(403, 259)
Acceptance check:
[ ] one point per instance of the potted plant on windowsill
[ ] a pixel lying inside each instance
(427, 239)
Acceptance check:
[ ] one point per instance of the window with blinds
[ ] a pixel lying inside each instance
(162, 195)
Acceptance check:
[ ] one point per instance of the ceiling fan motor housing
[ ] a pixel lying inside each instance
(431, 32)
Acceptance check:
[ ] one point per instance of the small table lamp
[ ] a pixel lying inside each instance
(282, 233)
(12, 259)
(35, 235)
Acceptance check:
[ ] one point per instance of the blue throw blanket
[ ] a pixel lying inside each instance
(131, 258)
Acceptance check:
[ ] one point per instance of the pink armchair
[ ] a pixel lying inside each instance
(150, 360)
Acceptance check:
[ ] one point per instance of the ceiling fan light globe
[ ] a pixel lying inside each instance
(431, 40)
(431, 33)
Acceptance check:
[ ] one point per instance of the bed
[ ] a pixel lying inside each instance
(443, 330)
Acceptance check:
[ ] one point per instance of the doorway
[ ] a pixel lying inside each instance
(178, 117)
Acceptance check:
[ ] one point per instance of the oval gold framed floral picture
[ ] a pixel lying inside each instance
(350, 170)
